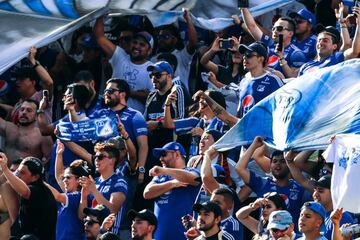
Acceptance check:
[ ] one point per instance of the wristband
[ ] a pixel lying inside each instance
(125, 138)
(37, 63)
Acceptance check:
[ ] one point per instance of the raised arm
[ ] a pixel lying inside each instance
(345, 36)
(296, 172)
(45, 127)
(129, 145)
(241, 166)
(191, 46)
(251, 25)
(106, 45)
(178, 174)
(244, 215)
(168, 122)
(45, 77)
(59, 165)
(81, 152)
(207, 177)
(154, 190)
(59, 197)
(15, 182)
(354, 51)
(206, 58)
(219, 111)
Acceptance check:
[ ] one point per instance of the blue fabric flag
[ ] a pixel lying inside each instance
(88, 130)
(304, 113)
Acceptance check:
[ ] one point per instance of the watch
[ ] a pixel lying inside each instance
(141, 170)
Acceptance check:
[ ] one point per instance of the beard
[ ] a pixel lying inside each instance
(283, 174)
(111, 103)
(25, 124)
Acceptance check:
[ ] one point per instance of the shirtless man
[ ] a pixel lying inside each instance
(24, 139)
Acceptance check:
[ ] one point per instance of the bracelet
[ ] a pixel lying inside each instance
(167, 105)
(37, 63)
(283, 63)
(282, 58)
(125, 138)
(39, 111)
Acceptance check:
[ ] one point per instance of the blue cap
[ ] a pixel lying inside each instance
(257, 47)
(161, 66)
(88, 41)
(171, 146)
(147, 36)
(218, 172)
(280, 220)
(318, 209)
(304, 14)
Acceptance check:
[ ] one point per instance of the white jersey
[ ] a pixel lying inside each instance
(136, 75)
(344, 152)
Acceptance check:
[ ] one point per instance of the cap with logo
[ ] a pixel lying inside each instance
(280, 220)
(304, 14)
(161, 66)
(208, 206)
(256, 47)
(171, 146)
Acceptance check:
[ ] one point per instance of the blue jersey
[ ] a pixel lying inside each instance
(185, 125)
(69, 226)
(97, 104)
(233, 227)
(307, 46)
(293, 55)
(106, 187)
(315, 64)
(346, 218)
(132, 120)
(296, 195)
(253, 90)
(171, 206)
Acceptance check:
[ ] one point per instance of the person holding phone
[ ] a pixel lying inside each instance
(290, 55)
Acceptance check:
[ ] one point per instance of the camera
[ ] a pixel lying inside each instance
(226, 43)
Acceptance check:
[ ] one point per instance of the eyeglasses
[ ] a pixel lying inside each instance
(90, 222)
(250, 55)
(111, 90)
(280, 28)
(157, 75)
(164, 36)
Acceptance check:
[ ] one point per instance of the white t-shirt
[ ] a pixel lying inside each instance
(344, 152)
(136, 75)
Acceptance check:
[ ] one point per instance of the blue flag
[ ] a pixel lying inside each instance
(88, 130)
(304, 113)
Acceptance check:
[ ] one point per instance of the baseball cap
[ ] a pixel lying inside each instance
(209, 206)
(315, 207)
(324, 182)
(88, 41)
(218, 173)
(100, 211)
(329, 30)
(171, 146)
(257, 47)
(144, 214)
(161, 66)
(304, 14)
(280, 220)
(147, 36)
(34, 165)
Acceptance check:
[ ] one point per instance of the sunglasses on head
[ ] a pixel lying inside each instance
(280, 28)
(90, 222)
(156, 75)
(111, 90)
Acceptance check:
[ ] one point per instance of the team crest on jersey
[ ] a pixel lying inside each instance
(105, 189)
(260, 88)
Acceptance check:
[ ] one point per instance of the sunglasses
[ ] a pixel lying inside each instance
(165, 152)
(90, 222)
(275, 230)
(99, 156)
(111, 90)
(157, 75)
(250, 55)
(280, 28)
(164, 36)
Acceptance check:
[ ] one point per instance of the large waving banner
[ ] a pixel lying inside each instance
(304, 113)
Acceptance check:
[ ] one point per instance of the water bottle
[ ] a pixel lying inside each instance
(194, 147)
(354, 229)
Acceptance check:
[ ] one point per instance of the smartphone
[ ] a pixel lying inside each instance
(226, 43)
(279, 45)
(243, 3)
(46, 94)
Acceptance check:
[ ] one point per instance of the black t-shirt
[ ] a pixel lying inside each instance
(37, 214)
